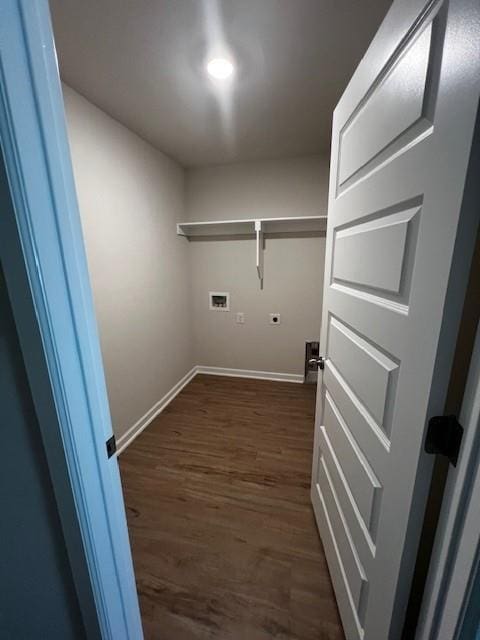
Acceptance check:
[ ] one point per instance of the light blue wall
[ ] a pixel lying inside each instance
(37, 597)
(43, 260)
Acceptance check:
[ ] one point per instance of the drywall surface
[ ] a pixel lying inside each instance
(293, 271)
(131, 196)
(271, 188)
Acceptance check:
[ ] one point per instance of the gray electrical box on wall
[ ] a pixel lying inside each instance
(218, 301)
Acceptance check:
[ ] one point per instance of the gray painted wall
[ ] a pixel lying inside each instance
(293, 271)
(131, 197)
(151, 286)
(269, 188)
(37, 595)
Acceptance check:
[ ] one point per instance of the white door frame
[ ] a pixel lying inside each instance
(43, 258)
(455, 558)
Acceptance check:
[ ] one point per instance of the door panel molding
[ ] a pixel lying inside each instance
(348, 567)
(369, 373)
(401, 88)
(367, 432)
(375, 259)
(359, 475)
(364, 545)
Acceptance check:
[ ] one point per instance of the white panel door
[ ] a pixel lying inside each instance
(400, 233)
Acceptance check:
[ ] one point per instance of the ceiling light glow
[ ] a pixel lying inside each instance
(220, 68)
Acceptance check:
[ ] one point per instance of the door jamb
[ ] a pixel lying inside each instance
(455, 559)
(463, 400)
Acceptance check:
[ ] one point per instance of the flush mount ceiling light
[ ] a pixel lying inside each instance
(220, 68)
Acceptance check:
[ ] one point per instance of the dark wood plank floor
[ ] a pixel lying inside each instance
(223, 537)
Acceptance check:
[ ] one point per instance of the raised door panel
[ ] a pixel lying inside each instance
(369, 436)
(359, 476)
(349, 570)
(373, 254)
(392, 104)
(369, 372)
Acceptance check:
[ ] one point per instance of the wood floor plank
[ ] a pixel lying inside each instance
(222, 531)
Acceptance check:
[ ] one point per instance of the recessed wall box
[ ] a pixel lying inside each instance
(218, 301)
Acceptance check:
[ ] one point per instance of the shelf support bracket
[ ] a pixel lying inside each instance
(259, 249)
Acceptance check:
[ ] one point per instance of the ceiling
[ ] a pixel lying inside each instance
(142, 61)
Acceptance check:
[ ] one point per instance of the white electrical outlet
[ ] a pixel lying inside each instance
(240, 317)
(275, 318)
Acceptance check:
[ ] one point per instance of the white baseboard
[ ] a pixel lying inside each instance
(134, 431)
(247, 373)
